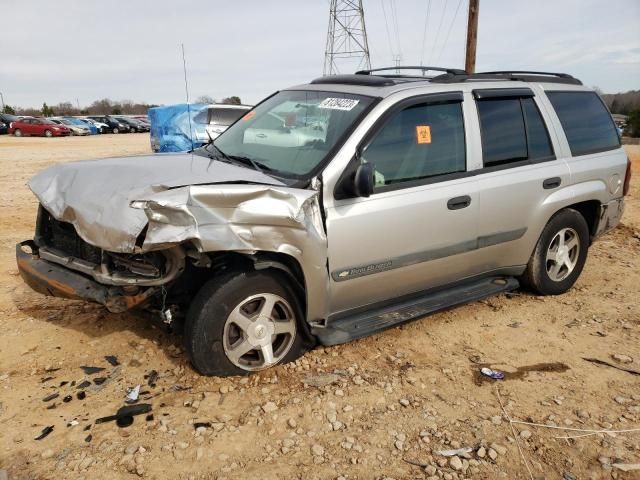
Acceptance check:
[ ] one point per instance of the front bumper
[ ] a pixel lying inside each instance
(57, 281)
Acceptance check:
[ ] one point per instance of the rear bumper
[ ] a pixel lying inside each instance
(55, 280)
(609, 216)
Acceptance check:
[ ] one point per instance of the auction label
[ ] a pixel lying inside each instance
(338, 103)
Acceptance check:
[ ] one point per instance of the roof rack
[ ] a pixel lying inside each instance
(451, 71)
(515, 75)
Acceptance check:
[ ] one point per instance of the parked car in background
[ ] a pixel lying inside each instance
(42, 127)
(78, 130)
(134, 125)
(102, 127)
(115, 126)
(6, 119)
(4, 128)
(83, 122)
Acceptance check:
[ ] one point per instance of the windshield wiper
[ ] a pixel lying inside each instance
(250, 161)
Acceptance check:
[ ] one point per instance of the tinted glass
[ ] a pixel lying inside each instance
(586, 122)
(537, 135)
(418, 142)
(503, 132)
(225, 116)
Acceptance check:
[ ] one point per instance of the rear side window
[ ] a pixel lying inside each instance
(586, 122)
(421, 141)
(512, 131)
(225, 116)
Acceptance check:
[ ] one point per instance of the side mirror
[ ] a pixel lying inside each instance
(363, 180)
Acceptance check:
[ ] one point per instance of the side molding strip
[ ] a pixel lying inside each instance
(350, 273)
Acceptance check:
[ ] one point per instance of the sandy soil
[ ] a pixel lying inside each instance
(393, 400)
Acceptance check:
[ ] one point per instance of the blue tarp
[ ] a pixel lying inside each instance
(170, 130)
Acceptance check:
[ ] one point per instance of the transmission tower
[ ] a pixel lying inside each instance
(346, 37)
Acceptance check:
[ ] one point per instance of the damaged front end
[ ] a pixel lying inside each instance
(161, 243)
(60, 263)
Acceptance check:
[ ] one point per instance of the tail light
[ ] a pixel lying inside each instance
(627, 178)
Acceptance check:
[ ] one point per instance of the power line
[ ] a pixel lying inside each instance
(424, 32)
(453, 20)
(394, 13)
(346, 35)
(386, 26)
(435, 43)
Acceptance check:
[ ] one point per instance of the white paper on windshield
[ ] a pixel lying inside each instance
(338, 103)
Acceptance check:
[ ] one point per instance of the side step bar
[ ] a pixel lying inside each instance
(357, 325)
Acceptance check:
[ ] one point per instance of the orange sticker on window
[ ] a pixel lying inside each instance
(423, 134)
(249, 115)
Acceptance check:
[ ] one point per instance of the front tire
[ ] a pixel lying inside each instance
(48, 134)
(115, 130)
(243, 322)
(560, 255)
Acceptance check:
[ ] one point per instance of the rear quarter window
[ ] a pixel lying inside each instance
(586, 122)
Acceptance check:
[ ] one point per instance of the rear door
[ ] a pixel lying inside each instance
(520, 170)
(418, 229)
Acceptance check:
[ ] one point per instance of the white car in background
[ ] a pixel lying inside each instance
(102, 127)
(75, 129)
(220, 116)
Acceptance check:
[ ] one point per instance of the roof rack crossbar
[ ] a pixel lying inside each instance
(423, 68)
(524, 76)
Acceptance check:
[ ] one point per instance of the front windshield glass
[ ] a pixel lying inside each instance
(292, 132)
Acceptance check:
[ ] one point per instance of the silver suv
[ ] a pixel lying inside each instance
(339, 208)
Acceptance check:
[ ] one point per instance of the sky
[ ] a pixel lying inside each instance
(81, 51)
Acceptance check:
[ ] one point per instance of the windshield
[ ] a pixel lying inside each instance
(293, 131)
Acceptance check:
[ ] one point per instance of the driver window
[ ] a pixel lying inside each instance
(418, 142)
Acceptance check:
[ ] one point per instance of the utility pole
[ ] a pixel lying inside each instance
(2, 98)
(346, 36)
(472, 36)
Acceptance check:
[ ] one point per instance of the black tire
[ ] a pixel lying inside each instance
(48, 134)
(17, 132)
(212, 305)
(115, 130)
(536, 276)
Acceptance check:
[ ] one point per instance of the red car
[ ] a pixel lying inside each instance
(37, 126)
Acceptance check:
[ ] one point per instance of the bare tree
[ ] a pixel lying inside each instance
(205, 99)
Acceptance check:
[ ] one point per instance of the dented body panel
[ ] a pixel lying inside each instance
(155, 203)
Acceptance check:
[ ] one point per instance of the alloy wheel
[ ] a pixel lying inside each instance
(562, 254)
(259, 332)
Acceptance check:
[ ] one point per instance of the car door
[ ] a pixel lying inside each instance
(520, 169)
(28, 127)
(418, 229)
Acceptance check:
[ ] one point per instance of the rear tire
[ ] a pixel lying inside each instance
(233, 318)
(560, 254)
(17, 132)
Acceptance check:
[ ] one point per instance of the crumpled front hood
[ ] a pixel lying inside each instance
(95, 195)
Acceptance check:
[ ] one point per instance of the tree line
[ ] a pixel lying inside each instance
(104, 106)
(627, 103)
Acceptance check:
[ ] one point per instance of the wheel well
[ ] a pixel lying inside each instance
(222, 261)
(589, 210)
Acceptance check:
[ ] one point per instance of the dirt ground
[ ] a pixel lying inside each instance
(381, 407)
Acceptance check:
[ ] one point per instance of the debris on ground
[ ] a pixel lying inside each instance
(132, 394)
(612, 365)
(48, 398)
(45, 431)
(128, 411)
(489, 372)
(91, 370)
(113, 360)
